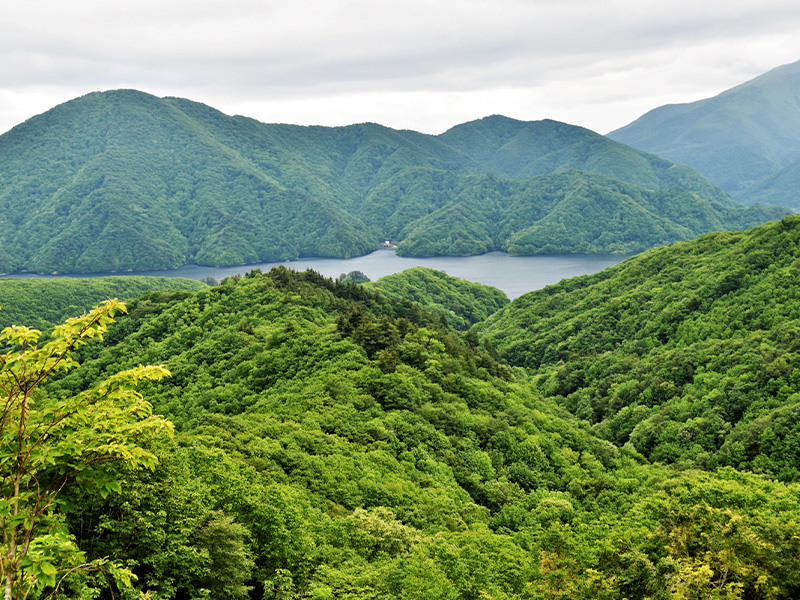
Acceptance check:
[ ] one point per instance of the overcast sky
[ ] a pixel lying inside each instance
(417, 64)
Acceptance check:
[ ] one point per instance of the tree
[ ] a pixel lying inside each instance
(50, 443)
(353, 277)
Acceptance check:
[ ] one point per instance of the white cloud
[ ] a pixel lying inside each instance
(411, 63)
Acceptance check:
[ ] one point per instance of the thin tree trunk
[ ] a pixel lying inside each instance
(12, 547)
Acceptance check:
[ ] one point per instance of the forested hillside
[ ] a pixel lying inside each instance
(332, 443)
(462, 303)
(124, 180)
(746, 140)
(41, 303)
(520, 150)
(686, 354)
(566, 212)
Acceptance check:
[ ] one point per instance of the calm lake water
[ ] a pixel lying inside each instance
(515, 275)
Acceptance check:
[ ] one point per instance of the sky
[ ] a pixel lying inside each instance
(425, 65)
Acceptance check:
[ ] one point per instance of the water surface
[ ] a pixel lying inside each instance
(515, 275)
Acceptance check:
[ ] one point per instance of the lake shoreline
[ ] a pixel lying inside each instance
(515, 275)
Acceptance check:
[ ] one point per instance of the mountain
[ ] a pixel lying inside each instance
(333, 443)
(124, 180)
(742, 139)
(780, 187)
(686, 354)
(521, 150)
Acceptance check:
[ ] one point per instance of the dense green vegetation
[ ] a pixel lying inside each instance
(353, 277)
(631, 434)
(520, 150)
(41, 303)
(462, 303)
(566, 212)
(50, 444)
(332, 443)
(746, 139)
(123, 180)
(687, 354)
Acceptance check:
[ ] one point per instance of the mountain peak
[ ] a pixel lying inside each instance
(738, 139)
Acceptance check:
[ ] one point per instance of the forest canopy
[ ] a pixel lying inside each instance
(686, 354)
(42, 303)
(334, 443)
(462, 303)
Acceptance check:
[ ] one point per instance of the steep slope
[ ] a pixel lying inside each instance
(737, 139)
(335, 444)
(521, 150)
(687, 354)
(783, 186)
(124, 180)
(343, 161)
(569, 211)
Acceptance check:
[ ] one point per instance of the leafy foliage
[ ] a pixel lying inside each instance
(462, 303)
(353, 277)
(43, 302)
(337, 444)
(50, 442)
(687, 354)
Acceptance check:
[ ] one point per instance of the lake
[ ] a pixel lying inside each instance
(515, 275)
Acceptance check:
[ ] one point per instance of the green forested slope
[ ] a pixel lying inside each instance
(740, 139)
(335, 444)
(569, 211)
(521, 150)
(687, 354)
(41, 303)
(124, 180)
(462, 303)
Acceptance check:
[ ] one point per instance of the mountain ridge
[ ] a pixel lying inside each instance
(739, 138)
(125, 180)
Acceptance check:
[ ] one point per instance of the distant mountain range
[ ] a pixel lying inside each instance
(124, 180)
(746, 140)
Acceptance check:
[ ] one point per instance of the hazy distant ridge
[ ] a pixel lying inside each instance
(746, 139)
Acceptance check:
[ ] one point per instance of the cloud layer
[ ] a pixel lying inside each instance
(408, 64)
